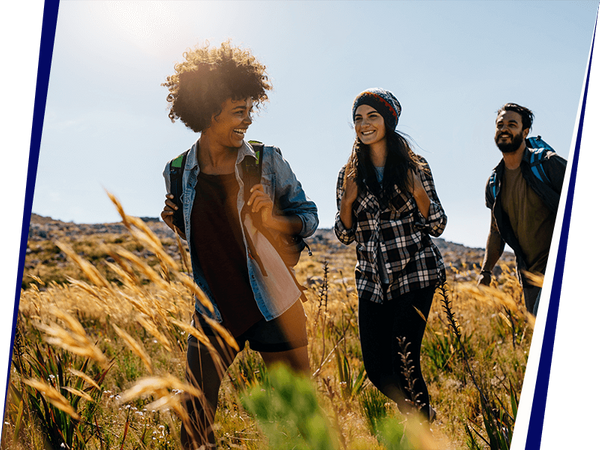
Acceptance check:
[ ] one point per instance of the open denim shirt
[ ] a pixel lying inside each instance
(287, 194)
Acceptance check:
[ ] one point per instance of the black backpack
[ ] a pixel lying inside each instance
(289, 246)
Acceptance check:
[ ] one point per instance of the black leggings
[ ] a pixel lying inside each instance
(380, 327)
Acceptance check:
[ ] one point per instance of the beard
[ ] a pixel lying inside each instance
(512, 146)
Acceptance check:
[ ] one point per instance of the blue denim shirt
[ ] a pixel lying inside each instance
(287, 194)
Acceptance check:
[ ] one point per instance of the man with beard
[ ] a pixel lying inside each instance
(523, 206)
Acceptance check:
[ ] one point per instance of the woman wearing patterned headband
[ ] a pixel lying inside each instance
(387, 203)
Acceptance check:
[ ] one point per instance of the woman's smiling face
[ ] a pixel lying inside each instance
(231, 124)
(369, 125)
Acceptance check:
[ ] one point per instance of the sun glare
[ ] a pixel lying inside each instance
(150, 26)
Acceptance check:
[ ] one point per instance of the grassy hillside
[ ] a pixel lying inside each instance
(100, 346)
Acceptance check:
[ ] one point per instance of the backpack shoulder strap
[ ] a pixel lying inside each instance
(539, 152)
(492, 186)
(252, 168)
(259, 149)
(289, 247)
(176, 168)
(179, 162)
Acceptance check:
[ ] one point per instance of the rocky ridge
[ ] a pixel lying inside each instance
(46, 228)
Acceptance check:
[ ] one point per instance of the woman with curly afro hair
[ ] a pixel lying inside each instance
(247, 288)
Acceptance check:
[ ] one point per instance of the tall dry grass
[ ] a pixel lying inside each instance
(102, 362)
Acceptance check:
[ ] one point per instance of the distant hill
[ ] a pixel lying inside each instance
(45, 227)
(43, 258)
(42, 227)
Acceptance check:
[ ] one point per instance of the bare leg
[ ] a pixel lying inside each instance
(202, 373)
(296, 359)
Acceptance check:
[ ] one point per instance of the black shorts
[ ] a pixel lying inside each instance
(286, 332)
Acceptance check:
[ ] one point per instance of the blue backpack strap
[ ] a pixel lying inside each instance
(494, 184)
(491, 190)
(539, 149)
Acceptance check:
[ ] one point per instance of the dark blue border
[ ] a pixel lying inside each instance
(538, 409)
(41, 92)
(46, 32)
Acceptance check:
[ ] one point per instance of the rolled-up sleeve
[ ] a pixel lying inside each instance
(435, 223)
(167, 177)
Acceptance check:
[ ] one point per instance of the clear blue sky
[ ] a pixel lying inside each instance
(451, 65)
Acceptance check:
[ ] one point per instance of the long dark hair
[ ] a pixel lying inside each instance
(399, 161)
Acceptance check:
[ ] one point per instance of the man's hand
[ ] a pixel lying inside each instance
(484, 279)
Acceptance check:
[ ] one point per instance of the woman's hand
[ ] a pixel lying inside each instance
(415, 183)
(260, 202)
(351, 191)
(348, 198)
(167, 215)
(419, 193)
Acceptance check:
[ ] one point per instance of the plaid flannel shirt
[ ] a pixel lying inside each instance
(412, 261)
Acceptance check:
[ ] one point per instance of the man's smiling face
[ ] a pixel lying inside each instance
(509, 131)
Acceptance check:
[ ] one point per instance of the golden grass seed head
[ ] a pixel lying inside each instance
(53, 396)
(134, 347)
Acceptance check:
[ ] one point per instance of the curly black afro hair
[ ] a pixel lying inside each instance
(209, 76)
